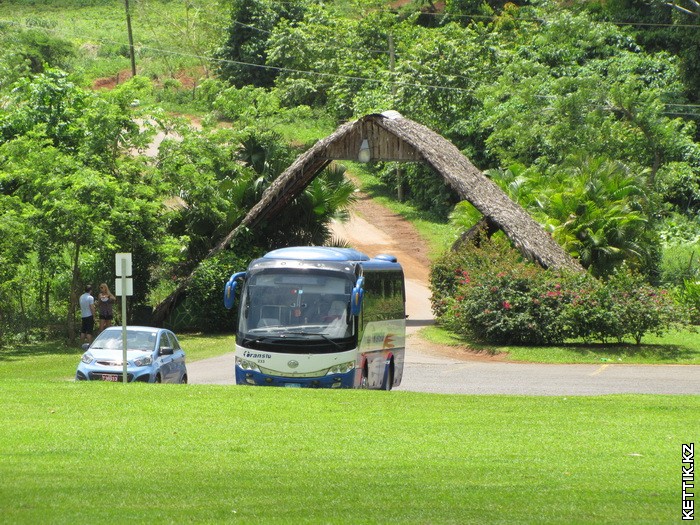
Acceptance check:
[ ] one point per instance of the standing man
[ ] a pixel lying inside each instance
(87, 312)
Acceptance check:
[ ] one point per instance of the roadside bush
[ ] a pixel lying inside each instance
(512, 308)
(203, 309)
(490, 294)
(458, 268)
(689, 296)
(640, 308)
(421, 186)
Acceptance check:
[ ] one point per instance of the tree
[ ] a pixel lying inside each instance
(65, 162)
(243, 57)
(61, 197)
(597, 209)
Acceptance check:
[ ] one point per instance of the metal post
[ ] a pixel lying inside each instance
(124, 354)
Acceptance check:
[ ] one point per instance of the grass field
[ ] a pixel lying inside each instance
(98, 453)
(671, 348)
(98, 31)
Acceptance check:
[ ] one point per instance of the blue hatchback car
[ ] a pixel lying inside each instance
(154, 355)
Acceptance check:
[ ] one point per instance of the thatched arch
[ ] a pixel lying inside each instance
(392, 137)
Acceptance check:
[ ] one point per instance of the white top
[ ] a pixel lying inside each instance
(85, 301)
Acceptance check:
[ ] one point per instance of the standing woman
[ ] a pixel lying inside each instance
(105, 300)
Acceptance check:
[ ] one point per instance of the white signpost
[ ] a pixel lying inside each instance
(123, 286)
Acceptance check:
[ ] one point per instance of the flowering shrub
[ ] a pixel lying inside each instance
(457, 269)
(491, 294)
(640, 308)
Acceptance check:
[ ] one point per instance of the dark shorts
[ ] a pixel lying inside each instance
(106, 317)
(88, 325)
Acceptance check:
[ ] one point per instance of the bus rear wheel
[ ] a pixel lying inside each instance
(389, 377)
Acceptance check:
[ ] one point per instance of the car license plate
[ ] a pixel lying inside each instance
(293, 385)
(110, 377)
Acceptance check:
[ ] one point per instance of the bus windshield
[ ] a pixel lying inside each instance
(305, 305)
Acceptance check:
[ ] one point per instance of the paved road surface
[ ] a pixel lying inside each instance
(373, 230)
(429, 369)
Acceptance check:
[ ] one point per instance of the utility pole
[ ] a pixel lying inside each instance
(131, 39)
(392, 63)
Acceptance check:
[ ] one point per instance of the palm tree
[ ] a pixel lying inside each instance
(598, 211)
(595, 208)
(307, 219)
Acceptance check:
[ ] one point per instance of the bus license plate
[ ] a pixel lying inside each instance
(293, 385)
(110, 377)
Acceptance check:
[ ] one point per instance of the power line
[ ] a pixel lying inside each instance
(546, 20)
(314, 73)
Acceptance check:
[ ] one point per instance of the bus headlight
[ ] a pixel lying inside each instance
(341, 369)
(247, 365)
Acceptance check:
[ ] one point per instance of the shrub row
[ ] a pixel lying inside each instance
(490, 294)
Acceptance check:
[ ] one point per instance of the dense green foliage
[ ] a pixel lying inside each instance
(74, 191)
(490, 294)
(549, 92)
(586, 114)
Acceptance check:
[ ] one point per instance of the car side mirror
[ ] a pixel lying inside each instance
(166, 350)
(85, 346)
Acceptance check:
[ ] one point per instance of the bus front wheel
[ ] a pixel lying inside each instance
(364, 381)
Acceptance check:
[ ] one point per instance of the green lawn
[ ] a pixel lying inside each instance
(102, 453)
(95, 453)
(672, 348)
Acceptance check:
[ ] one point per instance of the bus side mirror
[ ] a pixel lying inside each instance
(230, 289)
(356, 297)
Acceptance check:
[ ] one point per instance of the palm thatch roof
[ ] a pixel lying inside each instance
(392, 137)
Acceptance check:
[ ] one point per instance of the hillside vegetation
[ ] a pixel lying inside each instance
(586, 115)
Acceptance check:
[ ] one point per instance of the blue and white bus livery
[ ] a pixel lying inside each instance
(320, 317)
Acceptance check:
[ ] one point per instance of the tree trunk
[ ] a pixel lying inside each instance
(475, 234)
(74, 294)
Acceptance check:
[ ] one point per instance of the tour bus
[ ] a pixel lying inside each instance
(319, 317)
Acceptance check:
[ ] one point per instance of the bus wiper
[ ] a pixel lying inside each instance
(261, 339)
(314, 333)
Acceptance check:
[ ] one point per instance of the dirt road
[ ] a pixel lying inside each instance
(373, 229)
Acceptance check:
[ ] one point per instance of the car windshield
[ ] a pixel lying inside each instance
(279, 304)
(112, 340)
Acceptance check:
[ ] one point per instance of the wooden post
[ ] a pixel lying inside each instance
(131, 39)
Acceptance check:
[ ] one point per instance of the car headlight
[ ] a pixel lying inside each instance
(247, 365)
(341, 369)
(143, 360)
(87, 358)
